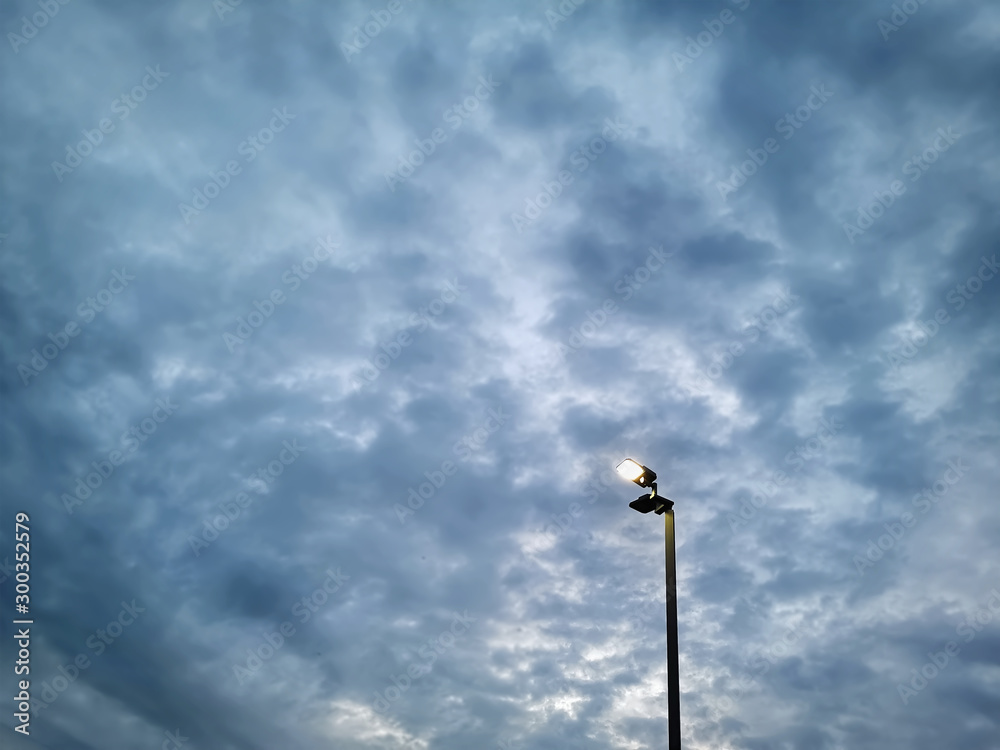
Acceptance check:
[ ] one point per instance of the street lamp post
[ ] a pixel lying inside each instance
(644, 477)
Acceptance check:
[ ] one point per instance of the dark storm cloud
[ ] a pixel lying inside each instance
(453, 455)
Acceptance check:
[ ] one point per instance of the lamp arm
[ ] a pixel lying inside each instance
(662, 503)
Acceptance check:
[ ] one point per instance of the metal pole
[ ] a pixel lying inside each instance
(673, 669)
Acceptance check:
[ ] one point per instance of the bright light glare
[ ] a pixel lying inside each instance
(629, 469)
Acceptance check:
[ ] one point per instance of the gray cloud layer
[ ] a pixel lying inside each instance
(321, 339)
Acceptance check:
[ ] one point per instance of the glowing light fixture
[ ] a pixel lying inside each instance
(633, 471)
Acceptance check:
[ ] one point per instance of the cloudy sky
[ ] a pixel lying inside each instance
(325, 325)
